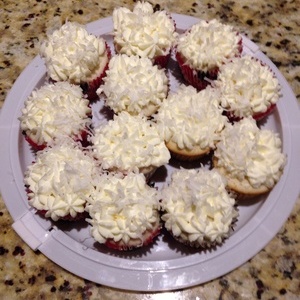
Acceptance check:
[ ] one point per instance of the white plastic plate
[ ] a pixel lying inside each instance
(166, 265)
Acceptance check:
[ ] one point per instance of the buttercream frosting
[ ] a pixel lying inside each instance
(122, 208)
(191, 118)
(208, 44)
(60, 180)
(196, 207)
(129, 143)
(134, 84)
(249, 153)
(55, 110)
(142, 31)
(72, 54)
(248, 86)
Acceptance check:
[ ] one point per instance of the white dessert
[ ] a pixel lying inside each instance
(123, 210)
(72, 54)
(250, 154)
(60, 180)
(197, 209)
(129, 143)
(54, 111)
(248, 86)
(142, 31)
(134, 85)
(190, 118)
(208, 44)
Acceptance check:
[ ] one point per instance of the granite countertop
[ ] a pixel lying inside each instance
(274, 273)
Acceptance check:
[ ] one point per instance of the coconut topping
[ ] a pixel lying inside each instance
(208, 44)
(72, 54)
(142, 31)
(248, 86)
(191, 118)
(53, 111)
(129, 143)
(122, 208)
(249, 153)
(60, 180)
(197, 208)
(133, 84)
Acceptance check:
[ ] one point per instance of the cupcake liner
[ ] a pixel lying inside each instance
(258, 116)
(89, 88)
(162, 60)
(134, 244)
(199, 80)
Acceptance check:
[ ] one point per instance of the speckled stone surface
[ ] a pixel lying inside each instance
(274, 273)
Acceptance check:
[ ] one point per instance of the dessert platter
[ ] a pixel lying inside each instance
(166, 264)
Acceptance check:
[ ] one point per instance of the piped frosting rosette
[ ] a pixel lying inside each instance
(249, 157)
(129, 143)
(203, 48)
(60, 181)
(72, 54)
(249, 88)
(55, 111)
(144, 32)
(197, 209)
(134, 84)
(123, 211)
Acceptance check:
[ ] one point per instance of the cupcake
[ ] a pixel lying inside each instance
(59, 181)
(250, 158)
(197, 209)
(55, 111)
(129, 143)
(202, 49)
(123, 211)
(72, 54)
(144, 32)
(190, 122)
(249, 88)
(134, 84)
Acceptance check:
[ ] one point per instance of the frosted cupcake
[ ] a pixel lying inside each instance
(203, 48)
(196, 208)
(249, 88)
(134, 84)
(59, 182)
(250, 158)
(190, 122)
(144, 32)
(129, 143)
(55, 111)
(72, 54)
(124, 211)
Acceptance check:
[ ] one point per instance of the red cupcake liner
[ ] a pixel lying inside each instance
(90, 88)
(110, 243)
(83, 138)
(198, 79)
(258, 116)
(162, 60)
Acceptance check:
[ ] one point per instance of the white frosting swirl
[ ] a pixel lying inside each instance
(53, 111)
(248, 86)
(60, 180)
(72, 54)
(122, 208)
(191, 118)
(143, 32)
(249, 153)
(208, 44)
(133, 84)
(129, 142)
(197, 208)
